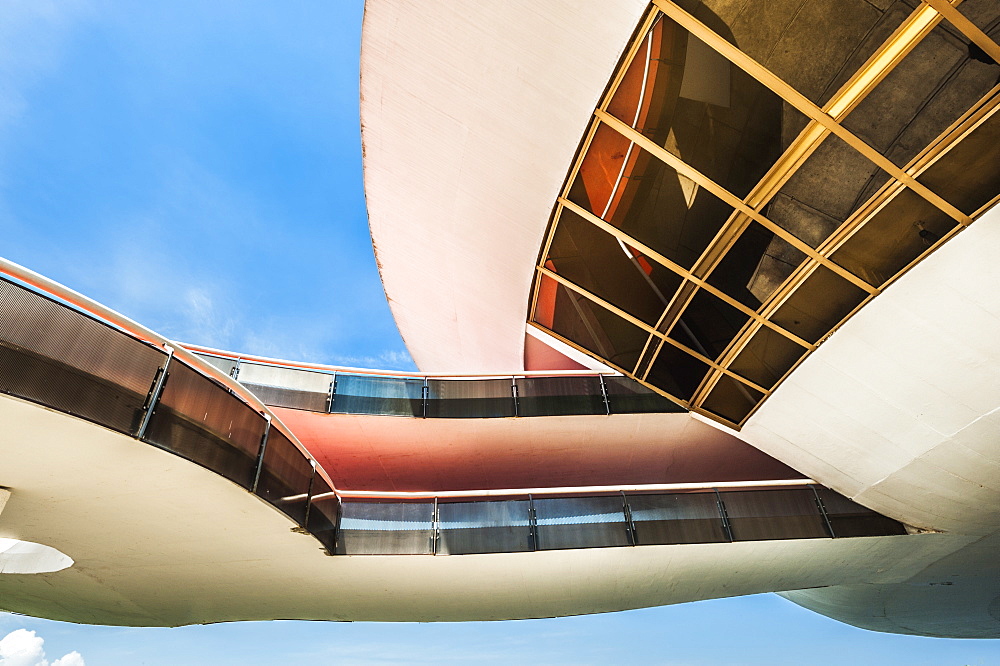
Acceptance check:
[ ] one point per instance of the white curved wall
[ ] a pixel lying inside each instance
(471, 113)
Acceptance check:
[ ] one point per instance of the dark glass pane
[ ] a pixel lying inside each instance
(767, 357)
(814, 45)
(850, 519)
(274, 396)
(324, 513)
(581, 522)
(703, 109)
(386, 528)
(470, 398)
(818, 305)
(226, 365)
(708, 324)
(755, 266)
(285, 475)
(966, 176)
(204, 422)
(732, 399)
(553, 396)
(903, 230)
(681, 518)
(484, 527)
(925, 93)
(596, 329)
(826, 189)
(609, 269)
(758, 515)
(636, 192)
(61, 358)
(627, 396)
(677, 372)
(363, 394)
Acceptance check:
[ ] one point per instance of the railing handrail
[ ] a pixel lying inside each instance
(414, 374)
(47, 287)
(565, 490)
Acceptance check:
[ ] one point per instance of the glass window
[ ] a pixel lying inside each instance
(680, 518)
(594, 328)
(386, 528)
(767, 357)
(581, 522)
(757, 515)
(731, 399)
(708, 324)
(899, 233)
(925, 93)
(484, 527)
(470, 398)
(677, 372)
(610, 269)
(364, 394)
(820, 303)
(966, 176)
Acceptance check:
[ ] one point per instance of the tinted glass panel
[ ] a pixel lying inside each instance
(903, 230)
(382, 528)
(226, 365)
(274, 396)
(924, 94)
(767, 357)
(581, 522)
(636, 192)
(703, 109)
(610, 269)
(202, 421)
(774, 514)
(287, 387)
(478, 398)
(966, 176)
(70, 362)
(600, 331)
(285, 475)
(731, 399)
(484, 527)
(681, 518)
(708, 324)
(755, 266)
(627, 396)
(850, 519)
(362, 394)
(552, 396)
(818, 305)
(677, 372)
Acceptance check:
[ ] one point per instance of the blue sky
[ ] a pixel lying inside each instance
(197, 166)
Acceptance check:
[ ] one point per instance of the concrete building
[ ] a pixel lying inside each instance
(702, 293)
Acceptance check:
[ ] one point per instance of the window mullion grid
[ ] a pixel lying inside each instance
(965, 26)
(768, 79)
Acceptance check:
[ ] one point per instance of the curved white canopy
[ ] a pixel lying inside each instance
(471, 113)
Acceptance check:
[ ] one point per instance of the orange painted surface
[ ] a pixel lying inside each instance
(411, 454)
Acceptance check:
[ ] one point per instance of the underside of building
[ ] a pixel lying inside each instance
(712, 313)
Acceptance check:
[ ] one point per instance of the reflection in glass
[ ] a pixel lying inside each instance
(363, 394)
(966, 176)
(677, 372)
(627, 396)
(818, 305)
(681, 518)
(767, 357)
(731, 399)
(755, 266)
(285, 476)
(554, 396)
(470, 398)
(484, 527)
(581, 522)
(386, 528)
(756, 515)
(850, 519)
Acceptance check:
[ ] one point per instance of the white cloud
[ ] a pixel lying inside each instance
(22, 647)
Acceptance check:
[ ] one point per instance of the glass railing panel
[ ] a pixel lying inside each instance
(677, 518)
(284, 476)
(581, 522)
(205, 423)
(472, 398)
(287, 387)
(554, 396)
(363, 394)
(627, 396)
(225, 365)
(850, 519)
(324, 513)
(58, 357)
(484, 527)
(386, 528)
(756, 515)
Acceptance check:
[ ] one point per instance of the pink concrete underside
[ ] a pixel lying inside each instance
(412, 454)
